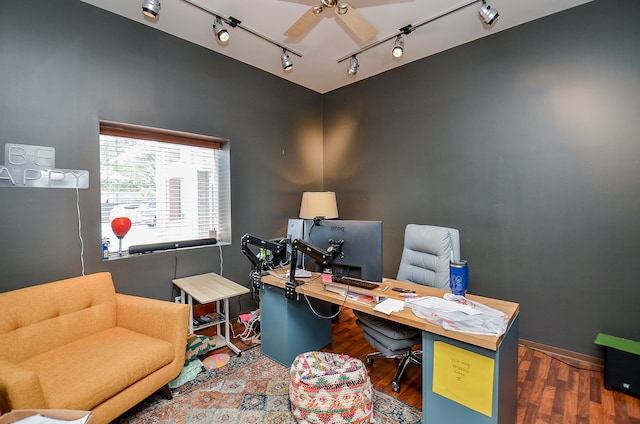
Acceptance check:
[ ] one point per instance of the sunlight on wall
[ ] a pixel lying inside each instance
(303, 162)
(339, 160)
(591, 109)
(581, 116)
(587, 104)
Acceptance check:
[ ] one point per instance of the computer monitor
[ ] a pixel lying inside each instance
(361, 247)
(295, 230)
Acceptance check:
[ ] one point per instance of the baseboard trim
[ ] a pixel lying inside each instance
(594, 361)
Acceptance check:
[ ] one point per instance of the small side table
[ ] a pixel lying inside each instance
(207, 288)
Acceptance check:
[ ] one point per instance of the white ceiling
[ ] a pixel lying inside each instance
(329, 40)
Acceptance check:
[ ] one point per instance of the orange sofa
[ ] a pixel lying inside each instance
(77, 344)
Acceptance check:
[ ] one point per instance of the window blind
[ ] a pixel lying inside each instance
(172, 185)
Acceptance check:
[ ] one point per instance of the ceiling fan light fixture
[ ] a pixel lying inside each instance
(221, 32)
(287, 65)
(151, 8)
(487, 13)
(398, 47)
(353, 66)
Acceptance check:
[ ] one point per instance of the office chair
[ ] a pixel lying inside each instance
(425, 260)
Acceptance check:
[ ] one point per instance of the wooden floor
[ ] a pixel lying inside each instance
(550, 389)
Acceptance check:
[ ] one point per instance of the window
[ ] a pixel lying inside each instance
(173, 186)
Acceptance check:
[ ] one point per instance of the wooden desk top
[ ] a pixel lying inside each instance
(313, 287)
(207, 288)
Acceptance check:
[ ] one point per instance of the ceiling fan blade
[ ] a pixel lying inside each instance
(356, 23)
(303, 24)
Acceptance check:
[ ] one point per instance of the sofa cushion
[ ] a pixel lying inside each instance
(85, 373)
(48, 316)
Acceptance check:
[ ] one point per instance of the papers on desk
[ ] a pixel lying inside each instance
(388, 306)
(436, 303)
(457, 313)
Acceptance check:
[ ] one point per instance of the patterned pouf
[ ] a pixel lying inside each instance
(328, 388)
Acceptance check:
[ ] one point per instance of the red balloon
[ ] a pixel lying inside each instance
(121, 226)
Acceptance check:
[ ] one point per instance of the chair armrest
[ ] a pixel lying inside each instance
(19, 388)
(156, 318)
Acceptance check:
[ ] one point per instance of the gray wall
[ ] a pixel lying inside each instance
(528, 142)
(70, 65)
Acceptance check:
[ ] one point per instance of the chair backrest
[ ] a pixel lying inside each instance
(426, 254)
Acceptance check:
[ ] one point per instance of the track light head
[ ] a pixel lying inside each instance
(353, 66)
(398, 47)
(151, 8)
(287, 65)
(221, 32)
(487, 13)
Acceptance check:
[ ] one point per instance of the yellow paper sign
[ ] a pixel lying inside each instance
(464, 377)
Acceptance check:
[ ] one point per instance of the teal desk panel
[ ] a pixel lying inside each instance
(289, 327)
(439, 409)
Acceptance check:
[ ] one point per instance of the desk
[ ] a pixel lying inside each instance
(291, 323)
(207, 288)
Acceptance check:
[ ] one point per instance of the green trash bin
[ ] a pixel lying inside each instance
(621, 364)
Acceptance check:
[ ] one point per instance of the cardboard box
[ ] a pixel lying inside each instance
(61, 414)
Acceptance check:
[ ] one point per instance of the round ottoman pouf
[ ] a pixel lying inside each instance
(330, 388)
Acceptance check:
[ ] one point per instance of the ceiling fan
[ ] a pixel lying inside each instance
(351, 18)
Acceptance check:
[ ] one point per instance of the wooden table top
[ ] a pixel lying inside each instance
(313, 287)
(207, 288)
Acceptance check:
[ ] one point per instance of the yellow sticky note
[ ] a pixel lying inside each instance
(464, 377)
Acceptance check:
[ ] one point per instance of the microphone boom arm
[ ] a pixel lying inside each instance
(247, 239)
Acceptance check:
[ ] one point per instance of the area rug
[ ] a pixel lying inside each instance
(250, 389)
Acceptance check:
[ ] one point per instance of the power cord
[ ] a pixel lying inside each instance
(316, 313)
(80, 230)
(251, 327)
(221, 260)
(254, 282)
(556, 358)
(175, 264)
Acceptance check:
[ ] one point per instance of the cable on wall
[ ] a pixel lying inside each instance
(80, 230)
(221, 261)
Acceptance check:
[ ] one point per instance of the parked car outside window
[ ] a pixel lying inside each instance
(129, 210)
(147, 214)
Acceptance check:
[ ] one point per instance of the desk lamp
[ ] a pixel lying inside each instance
(121, 227)
(318, 205)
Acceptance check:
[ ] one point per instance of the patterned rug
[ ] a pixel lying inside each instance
(250, 389)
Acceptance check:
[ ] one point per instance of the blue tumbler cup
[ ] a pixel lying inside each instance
(458, 277)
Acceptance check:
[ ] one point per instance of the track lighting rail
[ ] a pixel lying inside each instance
(233, 22)
(488, 15)
(409, 29)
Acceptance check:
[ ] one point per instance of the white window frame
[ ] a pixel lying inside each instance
(191, 196)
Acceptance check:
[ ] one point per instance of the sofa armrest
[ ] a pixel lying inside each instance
(19, 388)
(156, 318)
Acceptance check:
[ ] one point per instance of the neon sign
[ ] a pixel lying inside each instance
(34, 166)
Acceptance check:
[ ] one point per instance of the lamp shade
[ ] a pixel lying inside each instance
(318, 203)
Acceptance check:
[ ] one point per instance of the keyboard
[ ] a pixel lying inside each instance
(354, 282)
